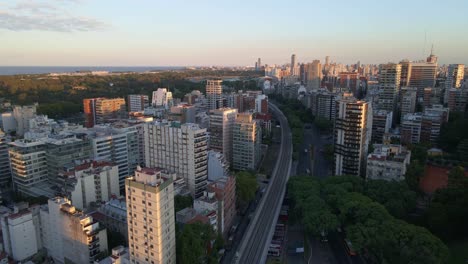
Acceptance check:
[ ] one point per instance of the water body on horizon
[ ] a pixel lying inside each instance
(15, 70)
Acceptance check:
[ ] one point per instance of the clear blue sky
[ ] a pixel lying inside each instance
(205, 32)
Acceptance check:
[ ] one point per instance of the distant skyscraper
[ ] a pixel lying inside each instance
(221, 126)
(162, 98)
(259, 64)
(314, 74)
(353, 126)
(327, 60)
(214, 90)
(150, 217)
(422, 75)
(389, 84)
(137, 102)
(455, 74)
(294, 67)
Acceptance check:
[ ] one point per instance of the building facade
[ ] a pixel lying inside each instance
(101, 110)
(179, 148)
(221, 126)
(69, 235)
(137, 102)
(246, 142)
(389, 85)
(353, 126)
(214, 90)
(91, 182)
(150, 217)
(388, 162)
(162, 98)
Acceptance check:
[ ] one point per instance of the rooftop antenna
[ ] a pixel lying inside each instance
(432, 49)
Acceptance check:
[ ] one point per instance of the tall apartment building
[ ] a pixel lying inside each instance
(28, 166)
(5, 169)
(221, 125)
(322, 103)
(294, 67)
(150, 217)
(162, 98)
(137, 102)
(455, 74)
(353, 126)
(179, 148)
(388, 162)
(420, 75)
(90, 182)
(433, 119)
(411, 128)
(389, 84)
(214, 90)
(408, 100)
(69, 235)
(350, 80)
(20, 232)
(313, 74)
(247, 139)
(120, 145)
(381, 124)
(457, 99)
(100, 110)
(62, 150)
(22, 115)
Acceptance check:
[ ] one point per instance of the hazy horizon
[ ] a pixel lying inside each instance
(209, 33)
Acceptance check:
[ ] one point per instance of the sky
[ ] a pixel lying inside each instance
(231, 33)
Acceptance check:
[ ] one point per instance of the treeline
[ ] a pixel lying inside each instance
(64, 94)
(369, 213)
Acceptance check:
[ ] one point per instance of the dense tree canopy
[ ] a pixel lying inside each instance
(192, 243)
(55, 90)
(181, 202)
(448, 212)
(362, 209)
(246, 186)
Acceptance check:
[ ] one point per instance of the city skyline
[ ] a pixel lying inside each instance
(163, 34)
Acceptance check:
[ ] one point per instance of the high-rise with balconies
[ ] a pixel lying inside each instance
(389, 85)
(179, 148)
(455, 74)
(221, 125)
(353, 124)
(150, 217)
(247, 139)
(214, 90)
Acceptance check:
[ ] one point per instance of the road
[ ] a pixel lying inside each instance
(321, 167)
(255, 243)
